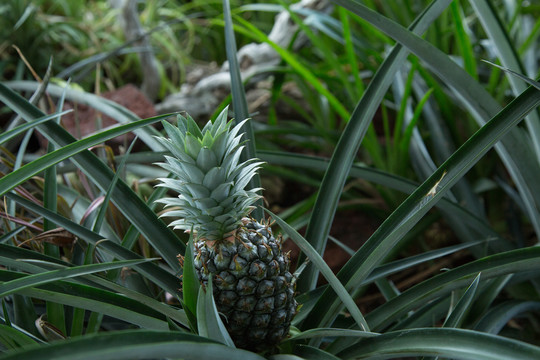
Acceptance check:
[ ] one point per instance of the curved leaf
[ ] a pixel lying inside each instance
(8, 135)
(157, 274)
(422, 199)
(24, 173)
(448, 343)
(349, 143)
(313, 353)
(497, 317)
(13, 286)
(13, 339)
(163, 239)
(515, 261)
(208, 321)
(129, 345)
(325, 270)
(513, 150)
(332, 332)
(455, 318)
(190, 283)
(104, 106)
(94, 299)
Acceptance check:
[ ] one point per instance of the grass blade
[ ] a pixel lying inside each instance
(302, 70)
(325, 270)
(208, 321)
(498, 317)
(163, 239)
(18, 176)
(190, 284)
(455, 318)
(8, 135)
(133, 344)
(13, 286)
(463, 40)
(424, 197)
(448, 343)
(509, 58)
(523, 169)
(160, 276)
(515, 261)
(239, 102)
(531, 82)
(349, 143)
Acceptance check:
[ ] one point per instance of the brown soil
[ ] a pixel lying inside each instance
(82, 121)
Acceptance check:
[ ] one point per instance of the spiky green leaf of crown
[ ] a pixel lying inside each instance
(210, 179)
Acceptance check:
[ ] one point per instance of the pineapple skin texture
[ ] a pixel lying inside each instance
(253, 287)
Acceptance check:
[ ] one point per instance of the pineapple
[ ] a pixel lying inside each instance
(253, 287)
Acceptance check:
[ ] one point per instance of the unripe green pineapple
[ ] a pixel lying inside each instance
(253, 287)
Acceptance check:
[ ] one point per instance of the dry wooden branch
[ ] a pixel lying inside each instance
(201, 96)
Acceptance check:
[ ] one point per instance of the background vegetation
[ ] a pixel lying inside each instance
(409, 167)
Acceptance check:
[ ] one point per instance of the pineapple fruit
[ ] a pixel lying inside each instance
(253, 287)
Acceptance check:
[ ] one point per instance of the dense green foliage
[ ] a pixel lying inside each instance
(414, 148)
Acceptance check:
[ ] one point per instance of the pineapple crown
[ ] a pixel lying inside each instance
(210, 179)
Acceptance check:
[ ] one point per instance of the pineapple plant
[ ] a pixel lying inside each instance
(253, 287)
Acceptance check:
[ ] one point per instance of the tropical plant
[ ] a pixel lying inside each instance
(89, 270)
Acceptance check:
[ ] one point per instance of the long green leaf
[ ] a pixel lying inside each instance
(94, 299)
(285, 357)
(383, 178)
(409, 262)
(463, 40)
(56, 314)
(239, 101)
(384, 271)
(332, 332)
(128, 202)
(312, 353)
(325, 270)
(160, 276)
(101, 104)
(18, 176)
(424, 197)
(515, 261)
(525, 79)
(507, 53)
(170, 312)
(349, 143)
(37, 263)
(208, 321)
(133, 344)
(190, 283)
(13, 286)
(448, 343)
(497, 317)
(523, 168)
(13, 339)
(487, 296)
(100, 218)
(455, 318)
(8, 135)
